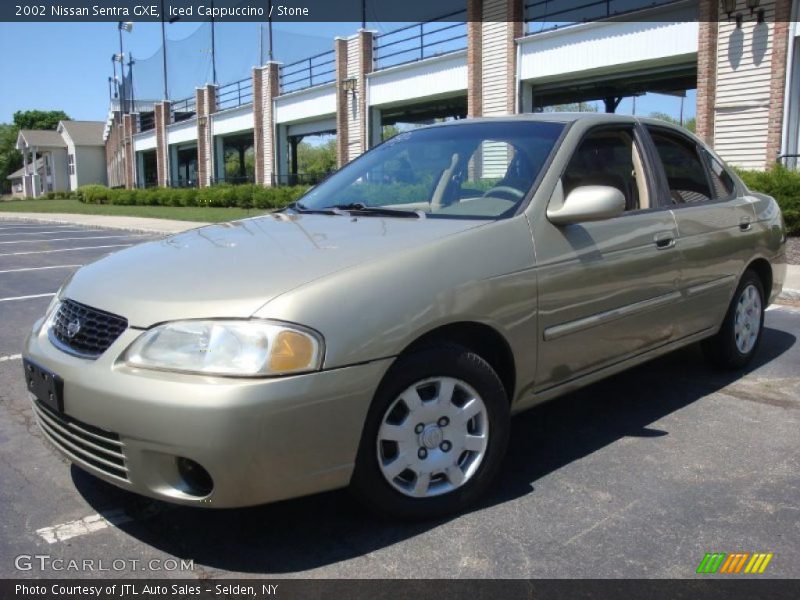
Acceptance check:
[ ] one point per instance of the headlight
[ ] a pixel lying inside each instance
(50, 314)
(55, 304)
(238, 348)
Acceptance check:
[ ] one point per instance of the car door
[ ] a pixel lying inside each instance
(606, 288)
(715, 224)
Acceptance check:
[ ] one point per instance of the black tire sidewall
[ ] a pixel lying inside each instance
(369, 484)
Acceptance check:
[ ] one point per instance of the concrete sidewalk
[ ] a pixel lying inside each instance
(791, 286)
(105, 221)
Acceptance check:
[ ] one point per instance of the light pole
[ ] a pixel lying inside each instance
(164, 50)
(123, 26)
(213, 47)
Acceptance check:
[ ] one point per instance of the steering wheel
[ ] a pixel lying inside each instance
(506, 190)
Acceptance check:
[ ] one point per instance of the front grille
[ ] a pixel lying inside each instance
(96, 329)
(83, 443)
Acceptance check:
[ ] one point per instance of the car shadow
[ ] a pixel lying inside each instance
(327, 528)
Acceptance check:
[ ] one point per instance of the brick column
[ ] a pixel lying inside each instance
(353, 63)
(777, 92)
(340, 47)
(266, 86)
(129, 129)
(206, 105)
(474, 52)
(487, 22)
(163, 117)
(115, 152)
(707, 68)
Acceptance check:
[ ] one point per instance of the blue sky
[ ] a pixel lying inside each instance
(66, 65)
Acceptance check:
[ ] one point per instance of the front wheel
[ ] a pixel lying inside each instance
(434, 436)
(738, 338)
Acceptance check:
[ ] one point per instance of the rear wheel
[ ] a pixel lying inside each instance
(738, 338)
(435, 434)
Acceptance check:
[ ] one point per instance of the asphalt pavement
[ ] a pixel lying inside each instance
(637, 476)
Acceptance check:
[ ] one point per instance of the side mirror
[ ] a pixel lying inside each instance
(586, 203)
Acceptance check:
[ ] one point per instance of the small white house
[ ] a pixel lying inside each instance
(62, 160)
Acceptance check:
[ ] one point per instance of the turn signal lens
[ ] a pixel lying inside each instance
(291, 351)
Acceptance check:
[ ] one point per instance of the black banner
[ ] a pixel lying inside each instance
(544, 11)
(377, 589)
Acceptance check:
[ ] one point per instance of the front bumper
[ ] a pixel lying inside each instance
(261, 440)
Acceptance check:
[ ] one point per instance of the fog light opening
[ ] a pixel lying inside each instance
(196, 479)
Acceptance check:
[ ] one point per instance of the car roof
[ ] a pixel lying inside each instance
(568, 118)
(564, 117)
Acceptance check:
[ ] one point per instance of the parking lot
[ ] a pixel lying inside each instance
(637, 476)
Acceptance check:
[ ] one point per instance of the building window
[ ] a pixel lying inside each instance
(71, 162)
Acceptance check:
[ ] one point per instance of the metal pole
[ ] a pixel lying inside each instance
(269, 25)
(116, 81)
(213, 48)
(164, 50)
(260, 44)
(122, 70)
(131, 98)
(682, 98)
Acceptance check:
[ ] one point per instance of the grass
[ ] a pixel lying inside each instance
(208, 214)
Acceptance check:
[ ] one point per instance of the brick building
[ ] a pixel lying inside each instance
(499, 59)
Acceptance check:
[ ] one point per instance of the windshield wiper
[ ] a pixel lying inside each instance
(299, 207)
(358, 207)
(354, 207)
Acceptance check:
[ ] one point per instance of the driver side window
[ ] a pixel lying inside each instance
(609, 157)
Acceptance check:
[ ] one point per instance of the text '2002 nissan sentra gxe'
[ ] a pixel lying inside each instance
(379, 332)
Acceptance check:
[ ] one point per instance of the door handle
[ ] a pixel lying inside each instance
(664, 240)
(745, 224)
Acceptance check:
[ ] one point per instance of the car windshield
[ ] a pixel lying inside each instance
(468, 170)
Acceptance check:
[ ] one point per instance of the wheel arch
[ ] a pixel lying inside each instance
(762, 268)
(482, 339)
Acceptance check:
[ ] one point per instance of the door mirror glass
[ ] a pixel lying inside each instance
(588, 203)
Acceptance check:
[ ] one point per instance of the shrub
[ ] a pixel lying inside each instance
(223, 195)
(783, 185)
(94, 194)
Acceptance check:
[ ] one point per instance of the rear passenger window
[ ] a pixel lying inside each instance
(686, 174)
(720, 180)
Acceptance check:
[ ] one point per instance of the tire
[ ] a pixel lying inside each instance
(409, 428)
(734, 346)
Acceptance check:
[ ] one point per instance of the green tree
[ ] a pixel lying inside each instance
(10, 158)
(572, 107)
(689, 124)
(39, 119)
(389, 131)
(318, 159)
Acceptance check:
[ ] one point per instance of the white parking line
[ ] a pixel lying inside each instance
(46, 232)
(71, 239)
(92, 523)
(39, 268)
(32, 296)
(10, 357)
(42, 226)
(67, 249)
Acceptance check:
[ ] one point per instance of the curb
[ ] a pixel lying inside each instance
(135, 229)
(787, 294)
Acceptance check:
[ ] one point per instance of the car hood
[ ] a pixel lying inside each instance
(232, 269)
